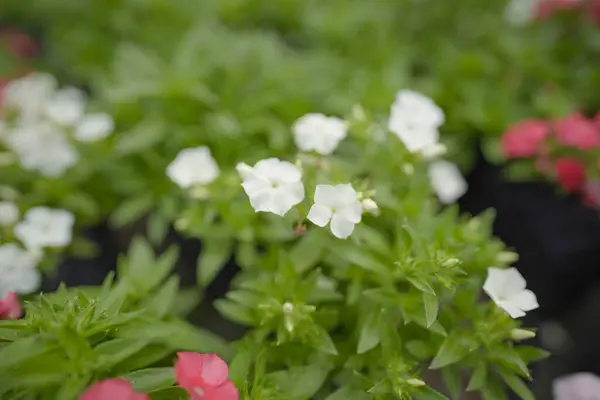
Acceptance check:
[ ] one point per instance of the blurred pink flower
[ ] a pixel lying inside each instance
(580, 386)
(524, 138)
(204, 377)
(112, 389)
(577, 131)
(10, 308)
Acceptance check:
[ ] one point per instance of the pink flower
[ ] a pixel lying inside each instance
(570, 173)
(593, 10)
(524, 138)
(18, 43)
(112, 389)
(591, 193)
(10, 308)
(204, 377)
(577, 131)
(547, 8)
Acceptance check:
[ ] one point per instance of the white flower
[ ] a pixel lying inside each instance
(447, 181)
(66, 106)
(273, 186)
(18, 272)
(9, 213)
(41, 147)
(243, 170)
(45, 227)
(520, 12)
(506, 287)
(193, 166)
(415, 119)
(317, 132)
(28, 95)
(370, 206)
(94, 127)
(338, 204)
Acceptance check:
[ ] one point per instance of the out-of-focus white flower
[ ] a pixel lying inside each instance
(193, 166)
(18, 272)
(243, 170)
(520, 12)
(66, 106)
(28, 95)
(9, 213)
(318, 132)
(434, 151)
(273, 186)
(447, 181)
(45, 227)
(338, 204)
(580, 386)
(415, 119)
(94, 127)
(41, 147)
(370, 206)
(507, 288)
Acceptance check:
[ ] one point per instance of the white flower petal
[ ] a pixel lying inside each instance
(447, 181)
(94, 127)
(243, 170)
(193, 166)
(9, 213)
(66, 107)
(317, 132)
(513, 310)
(45, 227)
(319, 215)
(351, 212)
(344, 195)
(525, 300)
(341, 227)
(326, 195)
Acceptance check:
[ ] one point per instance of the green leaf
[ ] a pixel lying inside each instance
(14, 353)
(72, 387)
(430, 301)
(143, 136)
(301, 383)
(517, 385)
(428, 393)
(172, 393)
(369, 334)
(507, 357)
(420, 349)
(239, 368)
(148, 356)
(324, 342)
(531, 354)
(453, 349)
(421, 284)
(479, 377)
(161, 302)
(157, 271)
(213, 256)
(157, 228)
(151, 379)
(452, 381)
(364, 260)
(112, 352)
(234, 312)
(308, 251)
(131, 210)
(348, 393)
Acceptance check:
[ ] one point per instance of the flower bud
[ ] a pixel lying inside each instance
(415, 382)
(451, 262)
(199, 193)
(358, 113)
(434, 151)
(243, 170)
(408, 169)
(370, 206)
(287, 307)
(507, 257)
(182, 224)
(521, 334)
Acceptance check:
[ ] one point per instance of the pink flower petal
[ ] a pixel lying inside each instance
(227, 391)
(112, 389)
(10, 308)
(524, 139)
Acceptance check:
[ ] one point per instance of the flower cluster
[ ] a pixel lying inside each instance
(40, 122)
(520, 12)
(561, 150)
(41, 228)
(203, 376)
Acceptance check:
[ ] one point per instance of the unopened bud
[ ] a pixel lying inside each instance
(408, 169)
(199, 193)
(507, 257)
(287, 307)
(415, 382)
(521, 334)
(243, 170)
(451, 262)
(182, 224)
(370, 206)
(358, 113)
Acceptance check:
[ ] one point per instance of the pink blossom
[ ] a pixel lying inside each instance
(591, 193)
(577, 131)
(580, 386)
(18, 43)
(112, 389)
(10, 308)
(524, 138)
(570, 173)
(547, 8)
(204, 377)
(593, 10)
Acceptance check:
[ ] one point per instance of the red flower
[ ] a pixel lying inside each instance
(10, 308)
(112, 389)
(577, 131)
(524, 138)
(18, 43)
(204, 377)
(570, 173)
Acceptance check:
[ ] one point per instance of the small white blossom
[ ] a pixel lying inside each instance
(66, 106)
(243, 170)
(507, 288)
(193, 166)
(338, 204)
(415, 119)
(45, 227)
(370, 206)
(94, 127)
(447, 181)
(18, 272)
(520, 12)
(9, 213)
(28, 95)
(273, 186)
(317, 132)
(41, 147)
